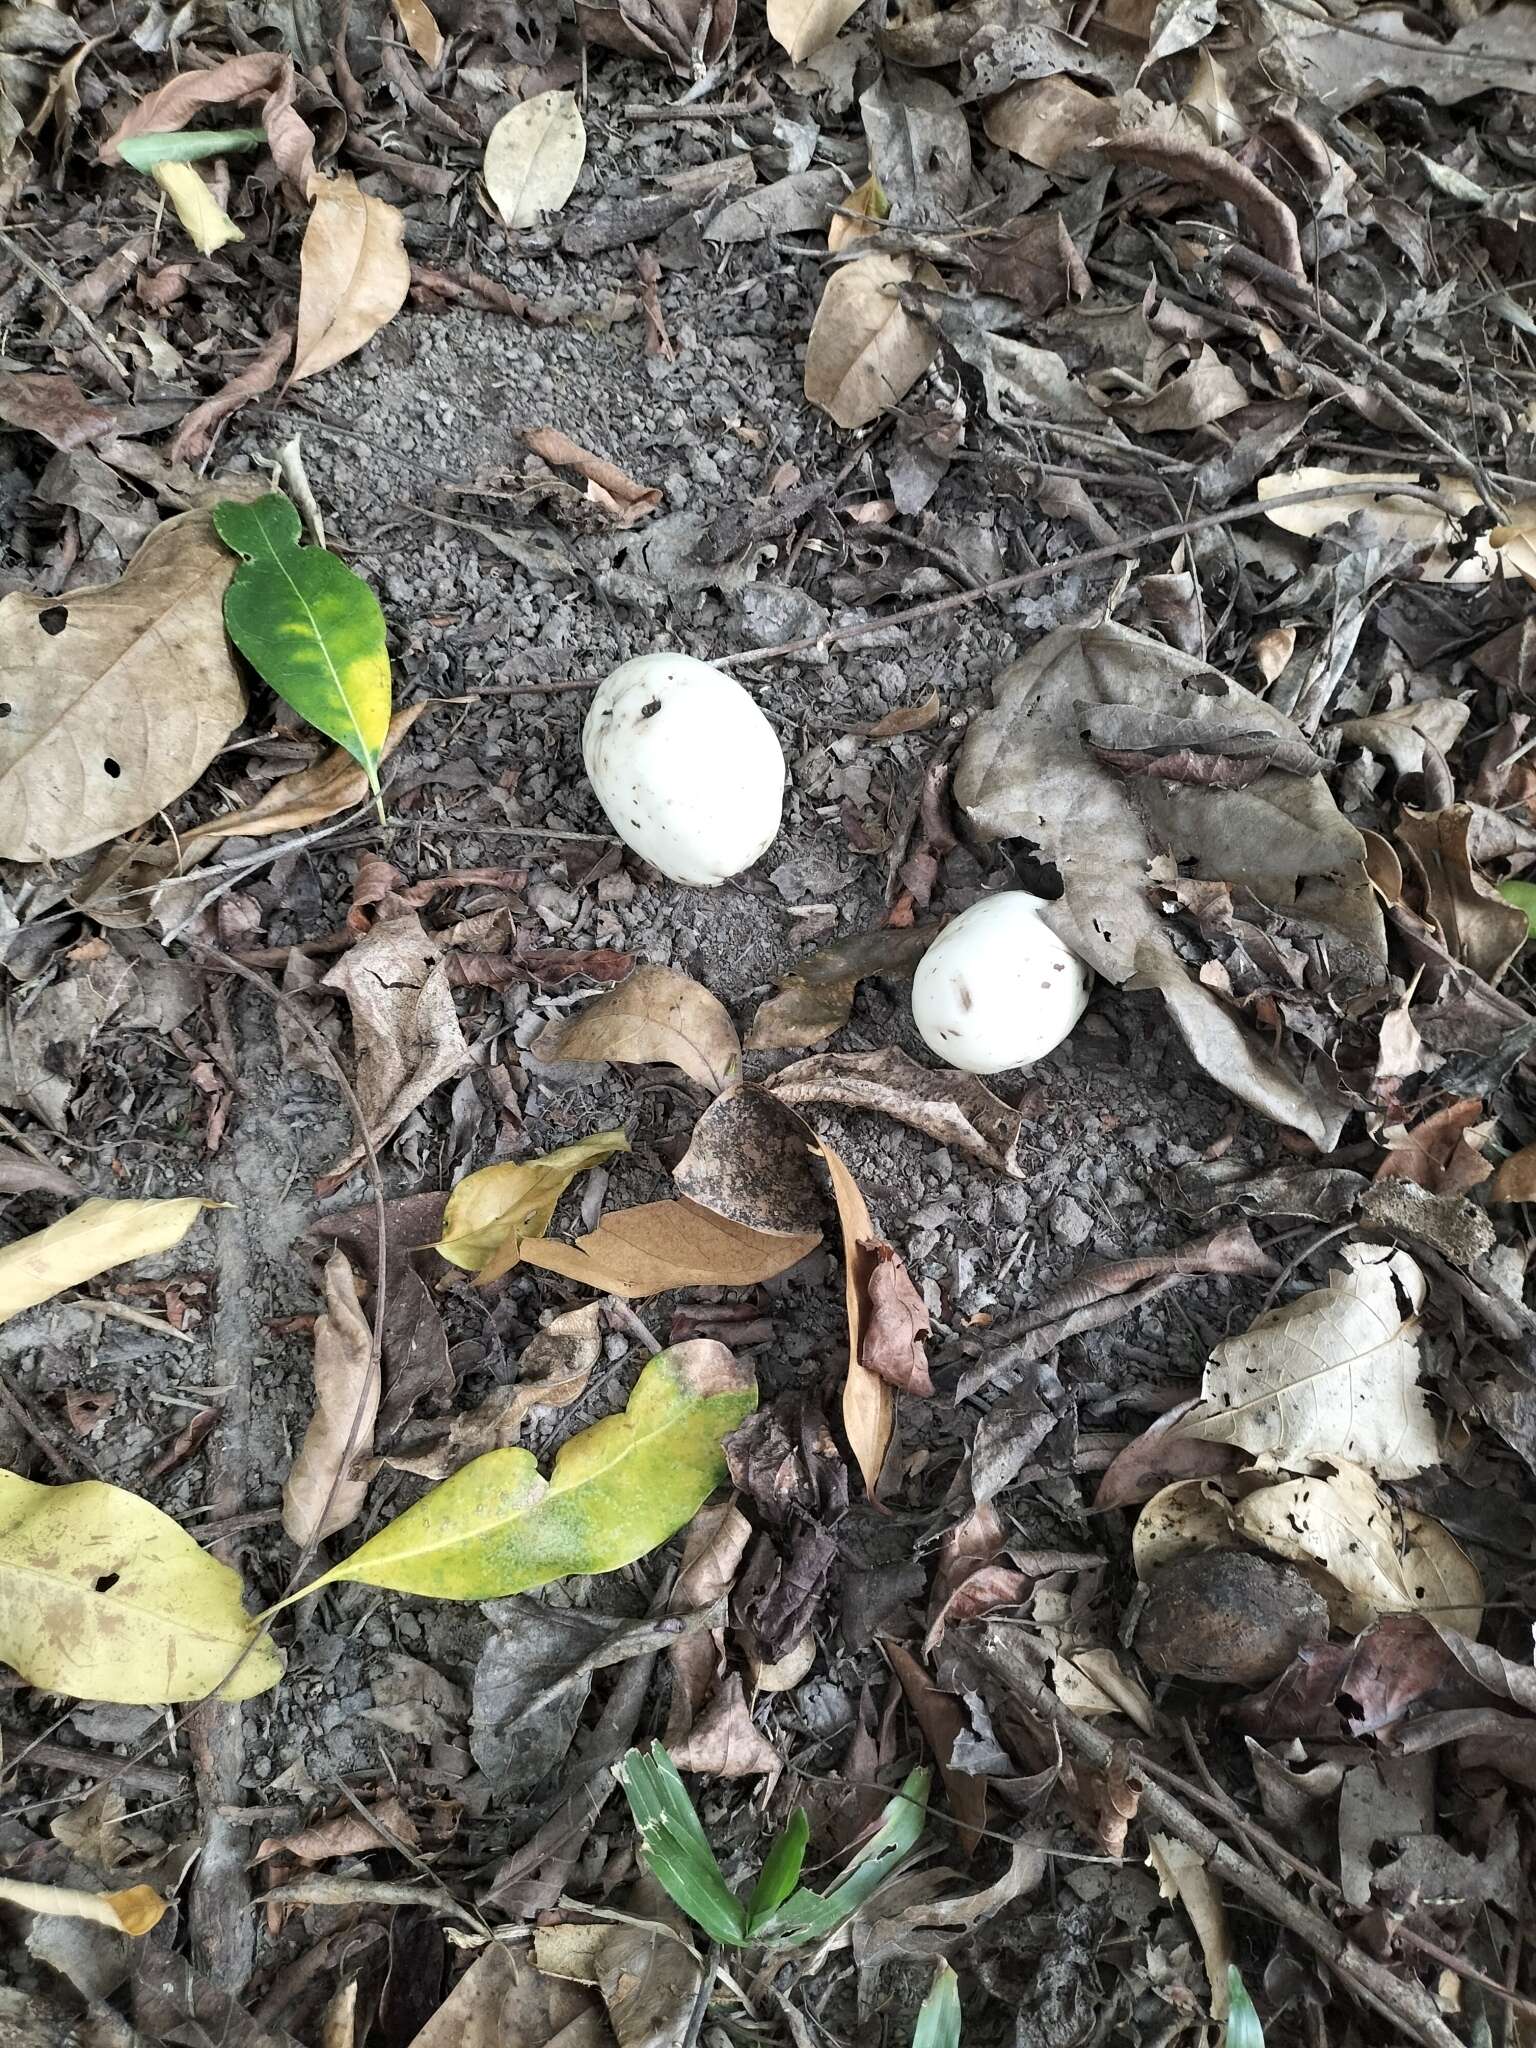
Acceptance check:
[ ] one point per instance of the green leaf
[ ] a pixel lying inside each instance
(780, 1872)
(1523, 897)
(1243, 2029)
(310, 628)
(675, 1846)
(490, 1212)
(617, 1490)
(102, 1597)
(938, 2024)
(143, 152)
(806, 1915)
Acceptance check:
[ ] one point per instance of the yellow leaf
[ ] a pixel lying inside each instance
(490, 1212)
(671, 1244)
(102, 1597)
(134, 1911)
(856, 218)
(353, 273)
(209, 226)
(89, 1240)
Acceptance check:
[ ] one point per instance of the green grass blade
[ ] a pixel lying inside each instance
(807, 1915)
(143, 152)
(780, 1872)
(675, 1847)
(938, 2023)
(1243, 2028)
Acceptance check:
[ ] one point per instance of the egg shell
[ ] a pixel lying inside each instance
(997, 988)
(687, 768)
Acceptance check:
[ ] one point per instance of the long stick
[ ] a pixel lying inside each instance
(1010, 1658)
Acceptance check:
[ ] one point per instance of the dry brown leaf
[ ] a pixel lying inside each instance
(1515, 1180)
(1477, 926)
(969, 1580)
(802, 27)
(1183, 1874)
(939, 1716)
(320, 1495)
(656, 1015)
(1204, 391)
(1442, 1152)
(869, 1402)
(866, 351)
(259, 75)
(353, 274)
(815, 997)
(118, 697)
(897, 1323)
(724, 1742)
(1045, 120)
(747, 1161)
(618, 495)
(1333, 1374)
(1214, 171)
(404, 1026)
(421, 31)
(662, 1245)
(714, 1544)
(502, 2000)
(53, 405)
(309, 797)
(194, 437)
(681, 33)
(957, 1110)
(649, 1980)
(349, 1834)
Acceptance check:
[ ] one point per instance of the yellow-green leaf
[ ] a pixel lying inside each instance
(312, 630)
(102, 1597)
(209, 226)
(616, 1491)
(490, 1212)
(87, 1241)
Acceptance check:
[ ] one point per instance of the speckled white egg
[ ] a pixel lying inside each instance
(997, 988)
(689, 771)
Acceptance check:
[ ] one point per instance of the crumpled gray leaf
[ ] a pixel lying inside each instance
(789, 206)
(919, 148)
(43, 1043)
(1024, 772)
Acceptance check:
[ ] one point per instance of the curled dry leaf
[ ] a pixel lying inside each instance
(404, 1026)
(802, 27)
(421, 31)
(724, 1742)
(194, 437)
(309, 797)
(102, 1597)
(656, 1015)
(1478, 926)
(53, 405)
(1458, 552)
(119, 696)
(98, 1235)
(747, 1161)
(898, 1321)
(534, 157)
(955, 1109)
(869, 1402)
(815, 998)
(349, 1834)
(1184, 1874)
(320, 1495)
(662, 1245)
(713, 1548)
(1214, 171)
(607, 486)
(679, 32)
(259, 75)
(134, 1911)
(353, 274)
(490, 1212)
(1333, 1374)
(866, 351)
(938, 1715)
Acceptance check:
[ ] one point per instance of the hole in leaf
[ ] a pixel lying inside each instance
(113, 768)
(55, 619)
(5, 710)
(107, 1581)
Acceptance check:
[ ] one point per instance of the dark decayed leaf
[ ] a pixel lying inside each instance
(940, 1718)
(954, 1109)
(815, 998)
(747, 1161)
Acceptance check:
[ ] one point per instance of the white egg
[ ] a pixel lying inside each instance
(687, 768)
(997, 988)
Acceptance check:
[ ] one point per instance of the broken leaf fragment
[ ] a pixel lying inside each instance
(802, 27)
(534, 157)
(866, 351)
(490, 1212)
(310, 627)
(98, 1235)
(617, 1489)
(102, 1597)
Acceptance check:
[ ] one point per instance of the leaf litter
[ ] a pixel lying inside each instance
(1268, 767)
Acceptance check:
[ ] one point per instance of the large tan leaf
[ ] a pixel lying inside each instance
(802, 27)
(1384, 1560)
(89, 1240)
(654, 1015)
(869, 1402)
(320, 1495)
(1331, 1375)
(534, 158)
(865, 350)
(118, 697)
(662, 1245)
(353, 273)
(102, 1597)
(1382, 517)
